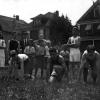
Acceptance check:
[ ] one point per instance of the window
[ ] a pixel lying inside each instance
(88, 27)
(86, 30)
(96, 29)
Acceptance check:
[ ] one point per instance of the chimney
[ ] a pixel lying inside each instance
(57, 13)
(17, 17)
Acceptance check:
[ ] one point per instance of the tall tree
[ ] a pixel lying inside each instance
(60, 29)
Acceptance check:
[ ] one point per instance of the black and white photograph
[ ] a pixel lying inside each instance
(49, 50)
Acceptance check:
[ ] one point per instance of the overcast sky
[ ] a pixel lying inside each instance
(27, 9)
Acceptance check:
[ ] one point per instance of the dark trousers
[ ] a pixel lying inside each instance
(93, 74)
(39, 63)
(27, 66)
(31, 63)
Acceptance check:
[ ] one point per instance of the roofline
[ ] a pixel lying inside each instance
(12, 19)
(94, 4)
(42, 15)
(87, 38)
(36, 16)
(88, 22)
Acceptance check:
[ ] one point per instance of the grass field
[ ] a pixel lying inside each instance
(39, 89)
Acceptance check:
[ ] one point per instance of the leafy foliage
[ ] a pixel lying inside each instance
(60, 29)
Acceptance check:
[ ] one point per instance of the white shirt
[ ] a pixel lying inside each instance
(2, 43)
(22, 57)
(85, 52)
(29, 50)
(75, 40)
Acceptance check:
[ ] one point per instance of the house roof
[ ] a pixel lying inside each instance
(46, 18)
(48, 15)
(11, 24)
(89, 15)
(38, 16)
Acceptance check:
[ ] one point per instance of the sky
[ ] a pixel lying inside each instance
(27, 9)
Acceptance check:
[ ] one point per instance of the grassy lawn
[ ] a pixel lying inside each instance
(39, 89)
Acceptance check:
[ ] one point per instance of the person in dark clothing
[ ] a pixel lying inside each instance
(88, 62)
(65, 54)
(22, 46)
(56, 66)
(13, 44)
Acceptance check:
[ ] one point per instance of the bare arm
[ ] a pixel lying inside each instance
(83, 61)
(62, 62)
(76, 45)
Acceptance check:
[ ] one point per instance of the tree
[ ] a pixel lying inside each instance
(60, 29)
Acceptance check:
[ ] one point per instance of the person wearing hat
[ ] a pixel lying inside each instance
(74, 49)
(2, 50)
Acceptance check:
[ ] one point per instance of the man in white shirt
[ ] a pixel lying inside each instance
(74, 49)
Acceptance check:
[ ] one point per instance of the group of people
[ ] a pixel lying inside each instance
(29, 56)
(57, 62)
(36, 54)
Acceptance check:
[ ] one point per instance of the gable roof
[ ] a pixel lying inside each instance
(49, 15)
(38, 16)
(89, 15)
(46, 18)
(9, 24)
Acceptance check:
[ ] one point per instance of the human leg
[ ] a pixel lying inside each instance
(94, 75)
(85, 74)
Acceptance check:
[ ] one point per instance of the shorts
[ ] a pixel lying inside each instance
(74, 55)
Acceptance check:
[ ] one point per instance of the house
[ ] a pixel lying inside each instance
(89, 25)
(42, 22)
(55, 28)
(12, 25)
